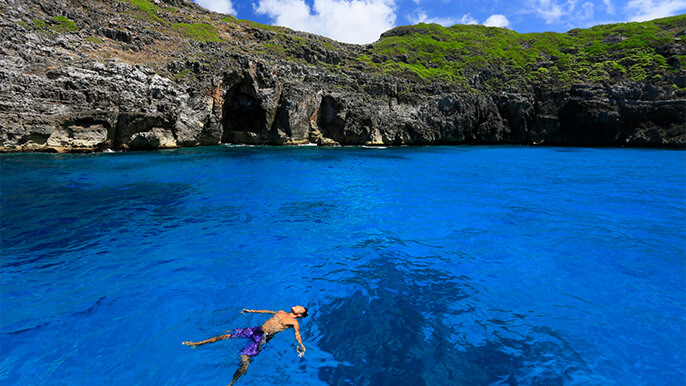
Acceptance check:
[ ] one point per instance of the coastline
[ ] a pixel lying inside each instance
(314, 145)
(147, 86)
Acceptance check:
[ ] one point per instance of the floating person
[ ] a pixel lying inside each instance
(260, 335)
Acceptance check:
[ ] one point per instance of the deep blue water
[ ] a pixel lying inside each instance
(436, 266)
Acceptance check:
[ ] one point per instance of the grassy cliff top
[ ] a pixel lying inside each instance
(172, 31)
(635, 51)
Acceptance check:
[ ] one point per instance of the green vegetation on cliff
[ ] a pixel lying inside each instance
(490, 57)
(199, 31)
(478, 57)
(147, 10)
(632, 50)
(65, 25)
(56, 24)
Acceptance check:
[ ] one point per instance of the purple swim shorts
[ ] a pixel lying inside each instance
(256, 336)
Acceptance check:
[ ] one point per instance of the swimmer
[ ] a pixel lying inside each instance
(260, 335)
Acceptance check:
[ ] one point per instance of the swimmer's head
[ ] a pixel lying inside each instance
(299, 311)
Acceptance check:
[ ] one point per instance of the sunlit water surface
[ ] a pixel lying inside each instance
(436, 266)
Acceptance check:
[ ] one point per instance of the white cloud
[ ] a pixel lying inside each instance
(288, 13)
(223, 6)
(586, 12)
(351, 21)
(551, 10)
(421, 17)
(641, 10)
(468, 19)
(497, 21)
(610, 7)
(554, 11)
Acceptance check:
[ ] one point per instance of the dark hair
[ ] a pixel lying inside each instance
(304, 314)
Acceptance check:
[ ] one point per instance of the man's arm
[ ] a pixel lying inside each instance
(301, 348)
(258, 311)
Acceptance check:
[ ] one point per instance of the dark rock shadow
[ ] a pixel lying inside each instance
(405, 327)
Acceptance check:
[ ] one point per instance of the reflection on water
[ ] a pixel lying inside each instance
(405, 327)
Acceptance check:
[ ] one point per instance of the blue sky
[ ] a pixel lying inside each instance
(362, 21)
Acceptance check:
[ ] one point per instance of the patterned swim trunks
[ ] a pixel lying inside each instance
(257, 339)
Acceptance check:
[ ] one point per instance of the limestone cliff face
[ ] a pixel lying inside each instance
(86, 75)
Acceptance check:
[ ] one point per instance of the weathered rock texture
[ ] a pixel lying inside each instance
(127, 79)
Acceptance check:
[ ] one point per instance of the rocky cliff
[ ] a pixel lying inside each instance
(86, 75)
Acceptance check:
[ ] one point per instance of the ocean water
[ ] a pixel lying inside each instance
(419, 266)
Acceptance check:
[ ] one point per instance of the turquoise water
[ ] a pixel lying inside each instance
(436, 266)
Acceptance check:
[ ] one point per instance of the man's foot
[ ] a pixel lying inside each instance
(190, 344)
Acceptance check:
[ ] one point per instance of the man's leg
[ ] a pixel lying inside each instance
(211, 340)
(245, 362)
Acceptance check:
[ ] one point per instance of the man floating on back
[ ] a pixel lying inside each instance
(260, 335)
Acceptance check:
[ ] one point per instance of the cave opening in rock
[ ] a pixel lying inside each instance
(589, 125)
(330, 120)
(243, 114)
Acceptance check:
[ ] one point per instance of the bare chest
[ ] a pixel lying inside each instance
(277, 323)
